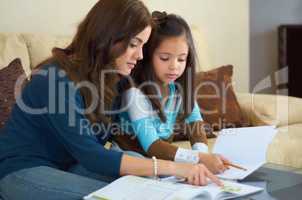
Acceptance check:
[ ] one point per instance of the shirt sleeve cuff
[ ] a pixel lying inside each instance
(201, 147)
(186, 156)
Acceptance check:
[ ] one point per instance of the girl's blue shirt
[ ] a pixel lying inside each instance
(140, 120)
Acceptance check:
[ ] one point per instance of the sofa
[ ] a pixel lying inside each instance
(260, 109)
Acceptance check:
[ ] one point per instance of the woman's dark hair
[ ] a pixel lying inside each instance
(167, 26)
(101, 37)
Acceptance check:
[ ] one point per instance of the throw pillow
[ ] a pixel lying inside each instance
(217, 100)
(8, 78)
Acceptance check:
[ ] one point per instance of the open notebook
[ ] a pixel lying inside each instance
(138, 188)
(246, 147)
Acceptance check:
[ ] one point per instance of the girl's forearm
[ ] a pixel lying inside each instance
(196, 132)
(162, 150)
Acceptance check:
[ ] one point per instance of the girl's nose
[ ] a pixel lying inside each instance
(173, 65)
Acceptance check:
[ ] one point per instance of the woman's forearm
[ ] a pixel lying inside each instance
(145, 167)
(196, 174)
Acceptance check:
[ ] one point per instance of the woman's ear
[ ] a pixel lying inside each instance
(117, 50)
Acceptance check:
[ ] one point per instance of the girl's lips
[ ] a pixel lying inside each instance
(172, 76)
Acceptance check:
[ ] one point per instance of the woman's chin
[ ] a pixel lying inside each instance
(124, 72)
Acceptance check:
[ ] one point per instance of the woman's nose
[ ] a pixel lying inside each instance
(140, 55)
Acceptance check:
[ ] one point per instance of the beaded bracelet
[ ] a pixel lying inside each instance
(155, 167)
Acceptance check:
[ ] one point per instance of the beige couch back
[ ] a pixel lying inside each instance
(33, 48)
(30, 48)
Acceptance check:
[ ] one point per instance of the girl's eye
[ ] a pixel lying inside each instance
(164, 59)
(181, 60)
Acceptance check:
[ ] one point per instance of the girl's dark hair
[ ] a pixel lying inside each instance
(167, 26)
(101, 37)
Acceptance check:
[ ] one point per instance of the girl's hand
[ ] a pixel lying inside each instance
(214, 162)
(195, 174)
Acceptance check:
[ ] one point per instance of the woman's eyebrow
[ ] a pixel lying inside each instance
(166, 53)
(139, 39)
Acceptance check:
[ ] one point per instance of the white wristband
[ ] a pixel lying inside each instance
(186, 155)
(201, 147)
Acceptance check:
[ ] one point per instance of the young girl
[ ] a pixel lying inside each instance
(163, 96)
(49, 148)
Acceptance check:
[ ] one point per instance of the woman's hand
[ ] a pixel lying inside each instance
(214, 162)
(195, 174)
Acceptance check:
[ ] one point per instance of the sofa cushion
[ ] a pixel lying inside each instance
(13, 45)
(285, 149)
(217, 100)
(271, 109)
(41, 45)
(9, 88)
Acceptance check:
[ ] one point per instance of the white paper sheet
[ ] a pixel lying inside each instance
(245, 147)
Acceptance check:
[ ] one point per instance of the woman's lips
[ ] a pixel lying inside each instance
(131, 65)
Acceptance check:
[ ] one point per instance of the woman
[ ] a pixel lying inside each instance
(52, 145)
